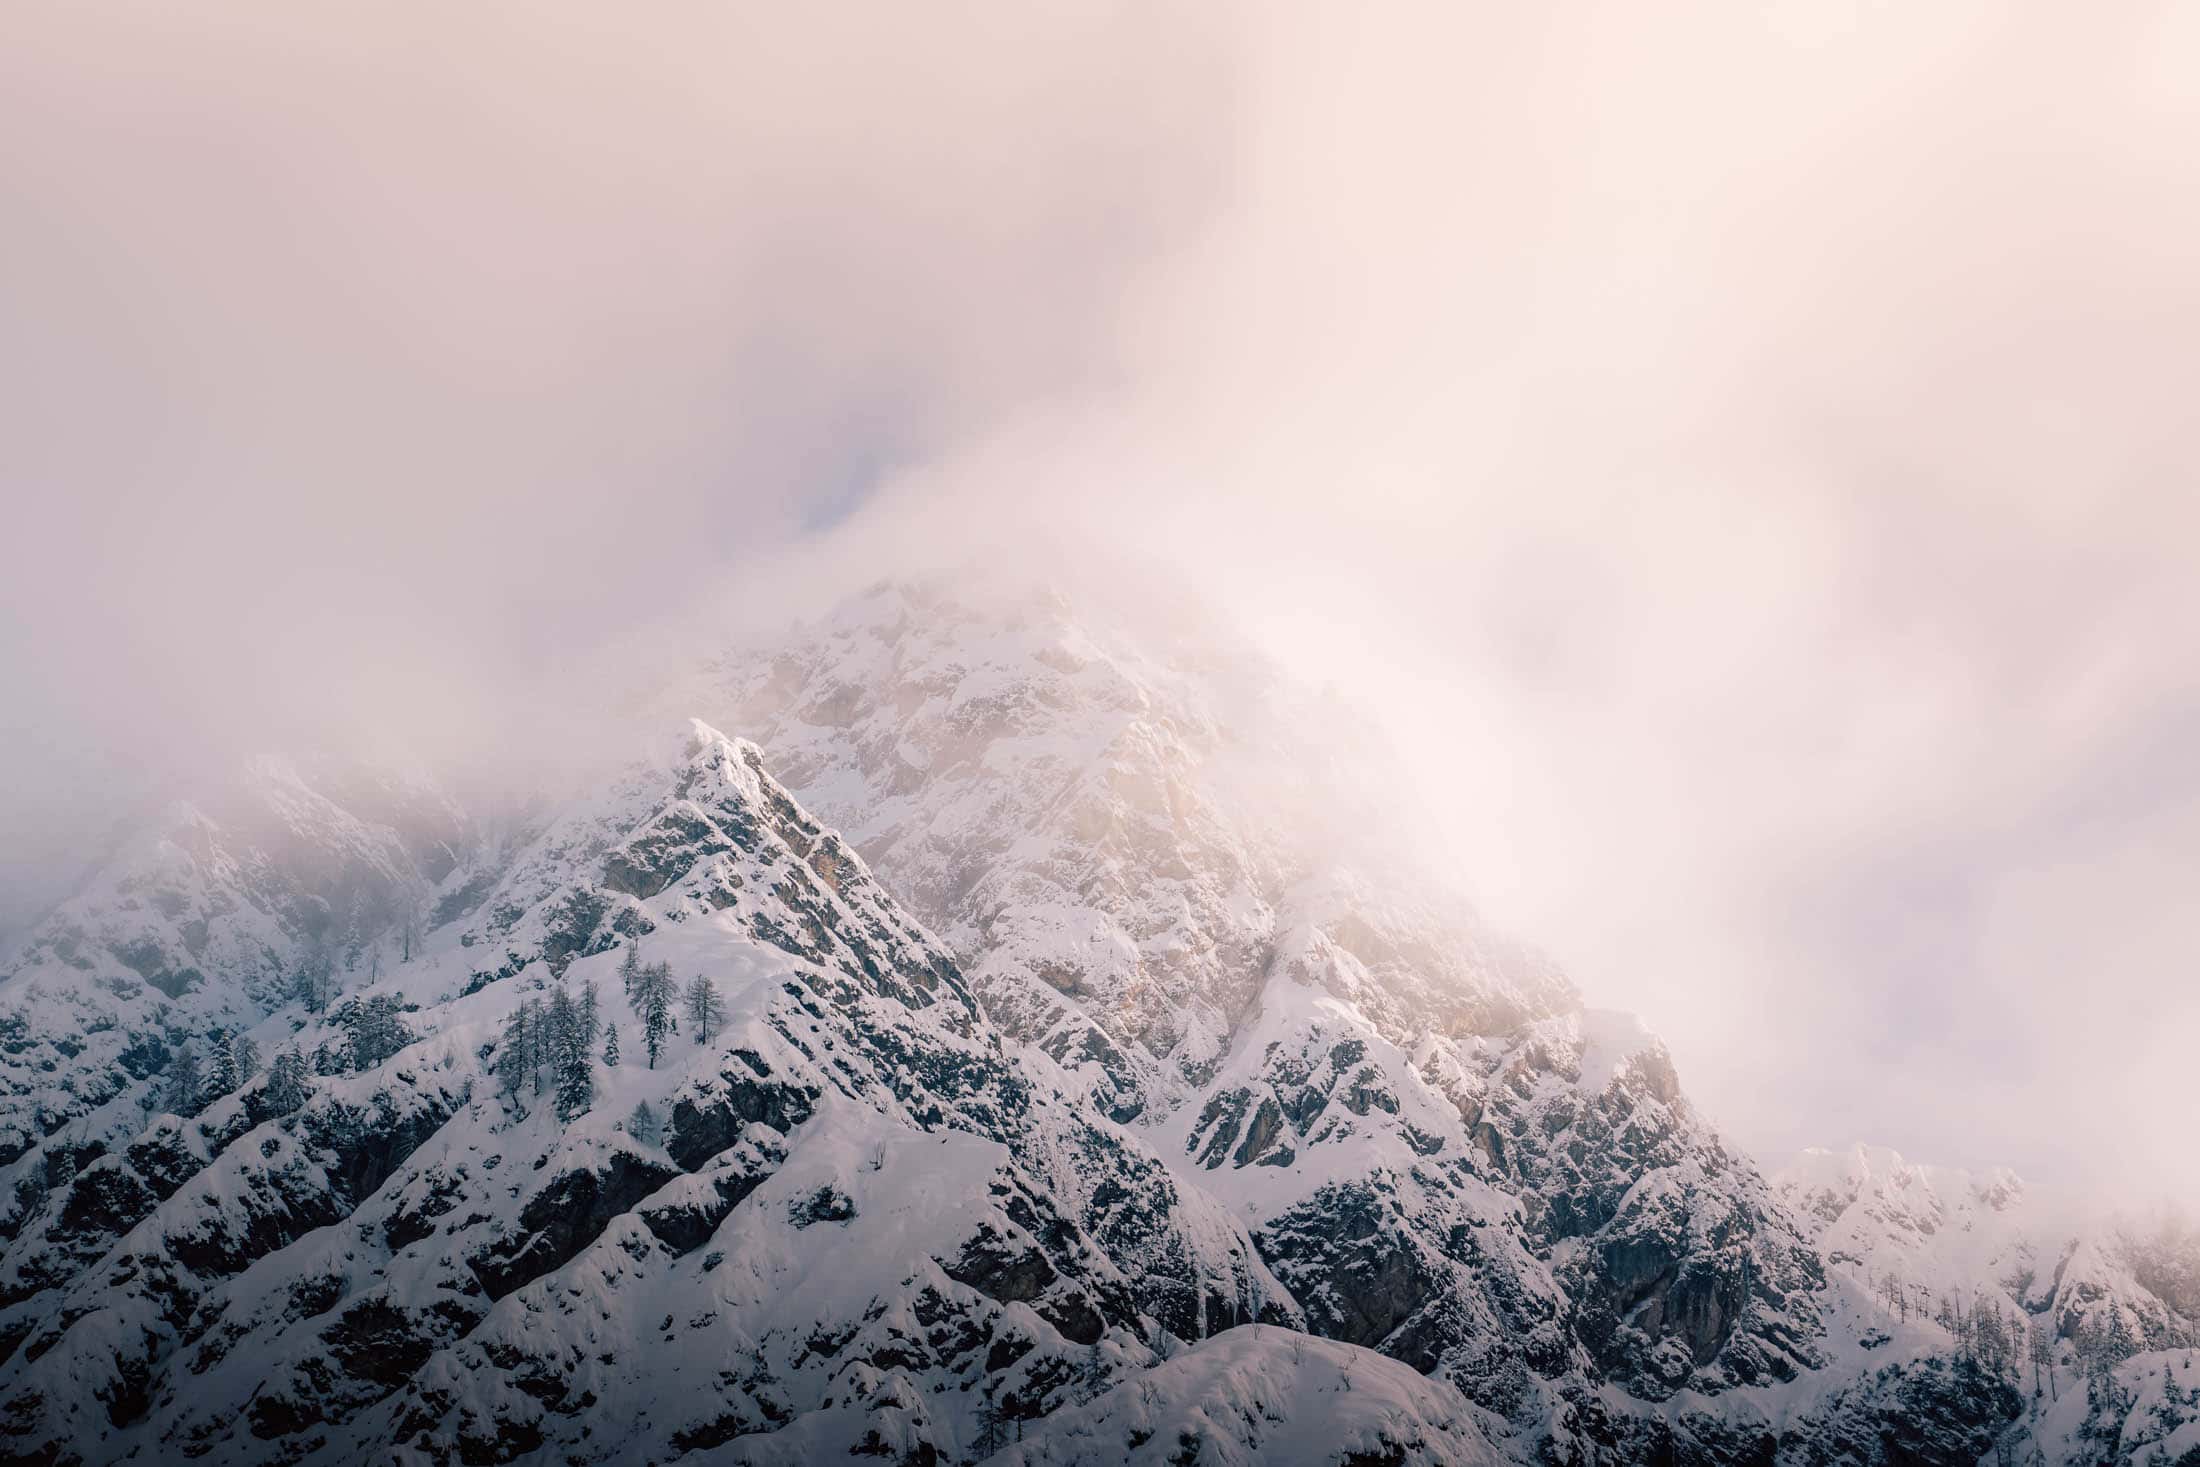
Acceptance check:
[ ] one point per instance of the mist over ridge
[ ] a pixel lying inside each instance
(1730, 468)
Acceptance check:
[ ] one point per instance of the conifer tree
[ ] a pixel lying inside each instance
(2043, 1361)
(1989, 1336)
(576, 1080)
(990, 1437)
(2092, 1357)
(655, 999)
(409, 927)
(611, 1046)
(185, 1084)
(346, 1017)
(561, 1019)
(285, 1090)
(218, 1076)
(2113, 1345)
(591, 1019)
(642, 1125)
(538, 1041)
(244, 1057)
(630, 967)
(515, 1052)
(311, 986)
(576, 1086)
(373, 1029)
(704, 1008)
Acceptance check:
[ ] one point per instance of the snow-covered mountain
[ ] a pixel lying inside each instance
(1442, 1154)
(1923, 1235)
(1089, 1069)
(1958, 1263)
(207, 920)
(401, 1260)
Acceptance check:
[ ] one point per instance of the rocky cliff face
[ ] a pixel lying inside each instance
(1935, 1248)
(210, 919)
(1069, 1005)
(1124, 841)
(1440, 1153)
(856, 1195)
(1923, 1237)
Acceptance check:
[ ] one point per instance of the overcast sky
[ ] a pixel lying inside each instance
(1746, 449)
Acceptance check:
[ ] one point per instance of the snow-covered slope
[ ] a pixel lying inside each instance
(1914, 1235)
(1255, 1397)
(1182, 879)
(201, 925)
(1123, 1017)
(1115, 834)
(1933, 1249)
(2142, 1412)
(860, 1195)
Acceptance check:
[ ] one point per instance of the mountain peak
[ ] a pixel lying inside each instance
(1113, 1024)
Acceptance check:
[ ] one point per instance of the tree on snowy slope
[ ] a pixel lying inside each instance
(630, 969)
(2041, 1350)
(653, 999)
(409, 926)
(576, 1087)
(704, 1007)
(231, 1063)
(538, 1041)
(1989, 1338)
(285, 1090)
(185, 1084)
(559, 1020)
(1895, 1294)
(244, 1057)
(568, 1040)
(991, 1437)
(591, 1018)
(514, 1051)
(218, 1076)
(373, 1029)
(611, 1046)
(2103, 1347)
(312, 985)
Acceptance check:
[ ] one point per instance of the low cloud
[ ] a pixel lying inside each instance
(1744, 452)
(1742, 449)
(369, 368)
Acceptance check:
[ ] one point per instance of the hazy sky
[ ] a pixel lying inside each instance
(1745, 448)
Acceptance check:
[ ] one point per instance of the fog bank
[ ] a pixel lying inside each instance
(1741, 450)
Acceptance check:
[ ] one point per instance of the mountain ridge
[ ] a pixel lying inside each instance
(1200, 1047)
